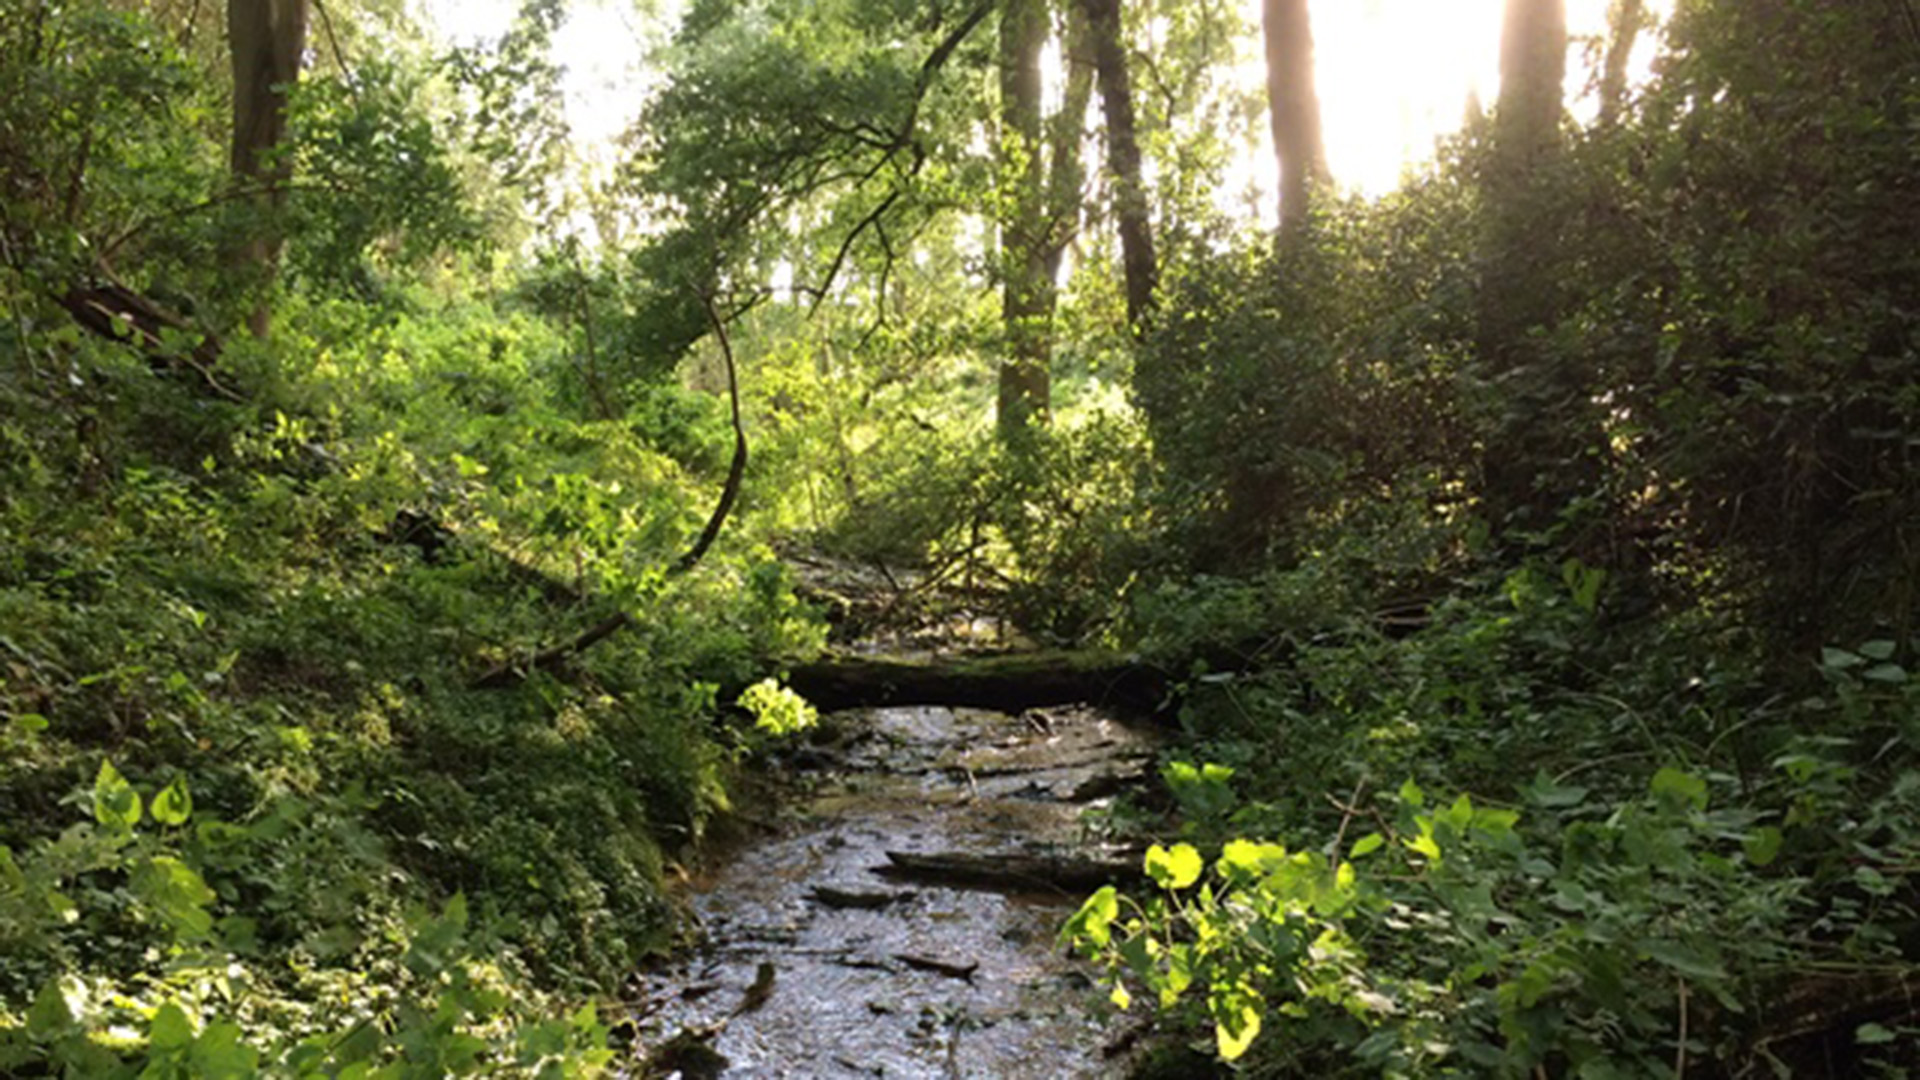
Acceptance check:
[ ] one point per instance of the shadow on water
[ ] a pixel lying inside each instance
(818, 963)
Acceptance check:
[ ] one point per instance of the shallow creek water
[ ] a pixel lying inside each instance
(818, 965)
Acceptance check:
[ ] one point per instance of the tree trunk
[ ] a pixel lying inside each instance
(1123, 162)
(1067, 174)
(1624, 23)
(1026, 296)
(1533, 69)
(267, 38)
(1531, 466)
(1293, 110)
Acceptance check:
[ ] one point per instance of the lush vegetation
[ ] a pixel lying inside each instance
(389, 600)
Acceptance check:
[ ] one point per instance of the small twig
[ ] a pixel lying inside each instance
(1352, 807)
(193, 24)
(1680, 1051)
(1386, 829)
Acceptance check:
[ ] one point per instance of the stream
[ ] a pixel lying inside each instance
(821, 959)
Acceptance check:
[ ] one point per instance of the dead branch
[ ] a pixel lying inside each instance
(553, 658)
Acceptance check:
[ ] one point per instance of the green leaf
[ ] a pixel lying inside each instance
(1873, 1035)
(1892, 674)
(1411, 794)
(55, 1010)
(115, 804)
(1120, 998)
(1179, 974)
(1175, 869)
(178, 894)
(1879, 649)
(1424, 844)
(1763, 846)
(218, 1054)
(1460, 814)
(1093, 922)
(1839, 659)
(1675, 789)
(1543, 792)
(1236, 1020)
(1244, 860)
(1682, 958)
(171, 1029)
(1366, 845)
(174, 804)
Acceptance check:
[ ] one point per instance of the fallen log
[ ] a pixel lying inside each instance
(1010, 683)
(1062, 873)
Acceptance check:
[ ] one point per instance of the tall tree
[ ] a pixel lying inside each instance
(1293, 109)
(1123, 162)
(1533, 70)
(1531, 466)
(1025, 382)
(1066, 172)
(266, 39)
(1625, 20)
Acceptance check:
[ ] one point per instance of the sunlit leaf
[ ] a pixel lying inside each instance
(1236, 1020)
(115, 803)
(1173, 869)
(170, 1029)
(174, 804)
(1093, 922)
(1411, 794)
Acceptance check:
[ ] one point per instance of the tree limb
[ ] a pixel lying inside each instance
(553, 658)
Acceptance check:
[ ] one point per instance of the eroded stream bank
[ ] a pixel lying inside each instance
(825, 956)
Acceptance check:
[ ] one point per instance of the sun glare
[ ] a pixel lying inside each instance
(1394, 75)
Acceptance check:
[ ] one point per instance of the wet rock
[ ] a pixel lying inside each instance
(858, 900)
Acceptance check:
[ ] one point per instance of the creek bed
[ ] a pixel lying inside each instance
(818, 962)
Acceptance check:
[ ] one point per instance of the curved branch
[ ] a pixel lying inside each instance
(736, 472)
(551, 659)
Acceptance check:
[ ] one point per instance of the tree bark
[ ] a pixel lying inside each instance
(1024, 378)
(1293, 110)
(1533, 69)
(1531, 464)
(1123, 163)
(1067, 174)
(266, 39)
(1624, 23)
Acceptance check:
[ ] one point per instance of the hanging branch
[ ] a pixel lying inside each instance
(736, 472)
(339, 58)
(553, 658)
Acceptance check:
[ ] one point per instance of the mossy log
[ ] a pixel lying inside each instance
(1009, 683)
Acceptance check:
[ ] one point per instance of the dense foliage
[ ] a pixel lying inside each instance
(1546, 695)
